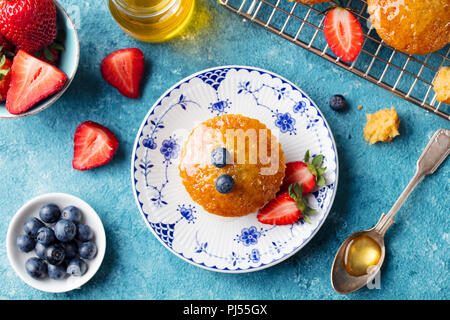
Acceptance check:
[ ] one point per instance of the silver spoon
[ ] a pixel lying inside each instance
(434, 154)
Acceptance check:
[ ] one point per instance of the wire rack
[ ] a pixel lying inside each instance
(407, 76)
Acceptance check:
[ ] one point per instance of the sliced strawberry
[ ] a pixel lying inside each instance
(298, 172)
(280, 211)
(94, 145)
(123, 69)
(305, 173)
(286, 208)
(32, 80)
(343, 34)
(5, 76)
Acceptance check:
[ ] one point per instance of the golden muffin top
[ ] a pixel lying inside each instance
(412, 26)
(254, 161)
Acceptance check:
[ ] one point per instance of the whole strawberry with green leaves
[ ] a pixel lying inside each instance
(5, 75)
(29, 25)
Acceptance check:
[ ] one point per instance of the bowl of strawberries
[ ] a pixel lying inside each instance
(39, 55)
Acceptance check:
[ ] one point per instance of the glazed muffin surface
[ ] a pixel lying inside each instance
(257, 175)
(412, 26)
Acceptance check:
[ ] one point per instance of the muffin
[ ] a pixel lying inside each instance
(441, 85)
(232, 165)
(412, 26)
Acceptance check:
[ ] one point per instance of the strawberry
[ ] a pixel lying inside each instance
(29, 24)
(94, 145)
(32, 80)
(123, 69)
(5, 44)
(286, 208)
(50, 54)
(305, 173)
(343, 33)
(5, 76)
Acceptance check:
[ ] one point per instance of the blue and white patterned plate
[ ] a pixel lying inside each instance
(181, 225)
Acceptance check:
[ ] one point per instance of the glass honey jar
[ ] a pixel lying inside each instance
(152, 20)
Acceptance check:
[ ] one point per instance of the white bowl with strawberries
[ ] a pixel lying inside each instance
(38, 58)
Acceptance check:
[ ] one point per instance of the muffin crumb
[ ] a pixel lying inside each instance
(441, 85)
(381, 126)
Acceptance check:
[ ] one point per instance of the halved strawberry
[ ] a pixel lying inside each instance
(343, 34)
(5, 76)
(94, 145)
(32, 80)
(305, 173)
(286, 208)
(123, 69)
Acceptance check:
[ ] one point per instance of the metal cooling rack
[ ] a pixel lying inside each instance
(407, 76)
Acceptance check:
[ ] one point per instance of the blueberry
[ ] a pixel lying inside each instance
(220, 157)
(57, 272)
(40, 250)
(76, 267)
(87, 250)
(46, 236)
(55, 254)
(71, 213)
(31, 226)
(225, 183)
(36, 268)
(65, 230)
(337, 102)
(25, 243)
(84, 233)
(71, 249)
(49, 213)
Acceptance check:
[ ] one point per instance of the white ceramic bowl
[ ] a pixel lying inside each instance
(18, 258)
(68, 63)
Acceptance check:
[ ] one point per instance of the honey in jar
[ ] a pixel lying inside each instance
(360, 254)
(152, 20)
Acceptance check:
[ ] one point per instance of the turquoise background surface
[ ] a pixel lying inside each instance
(36, 154)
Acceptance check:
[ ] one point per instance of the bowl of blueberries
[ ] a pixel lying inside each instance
(56, 242)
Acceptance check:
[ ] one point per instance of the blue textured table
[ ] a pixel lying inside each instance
(36, 154)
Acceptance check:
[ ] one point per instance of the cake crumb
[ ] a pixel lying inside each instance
(381, 126)
(441, 85)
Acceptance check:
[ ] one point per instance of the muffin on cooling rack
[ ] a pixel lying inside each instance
(232, 165)
(441, 85)
(415, 27)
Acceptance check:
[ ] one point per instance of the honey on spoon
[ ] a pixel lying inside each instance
(361, 255)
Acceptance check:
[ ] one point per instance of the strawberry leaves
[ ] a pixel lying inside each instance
(315, 168)
(3, 72)
(296, 193)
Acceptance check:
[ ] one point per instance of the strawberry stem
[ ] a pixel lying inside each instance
(296, 193)
(315, 168)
